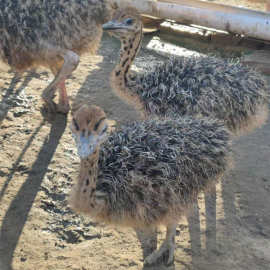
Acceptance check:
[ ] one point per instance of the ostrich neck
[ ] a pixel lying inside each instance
(89, 170)
(120, 75)
(129, 49)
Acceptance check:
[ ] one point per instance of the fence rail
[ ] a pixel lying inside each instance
(237, 20)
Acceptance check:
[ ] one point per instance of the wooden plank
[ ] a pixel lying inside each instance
(231, 19)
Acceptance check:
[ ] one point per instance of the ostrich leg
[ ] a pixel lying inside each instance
(148, 240)
(166, 250)
(63, 105)
(71, 61)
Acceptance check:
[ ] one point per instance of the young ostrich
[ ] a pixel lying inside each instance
(51, 33)
(147, 173)
(196, 86)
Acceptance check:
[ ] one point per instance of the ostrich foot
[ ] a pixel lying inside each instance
(71, 61)
(50, 106)
(166, 251)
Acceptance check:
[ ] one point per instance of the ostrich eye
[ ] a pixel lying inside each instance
(129, 21)
(98, 123)
(104, 129)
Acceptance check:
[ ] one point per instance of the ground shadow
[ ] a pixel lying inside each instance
(19, 159)
(17, 213)
(9, 98)
(204, 254)
(235, 214)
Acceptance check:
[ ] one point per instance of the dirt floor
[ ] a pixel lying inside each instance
(229, 229)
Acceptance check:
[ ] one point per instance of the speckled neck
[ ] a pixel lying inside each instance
(129, 49)
(120, 76)
(89, 170)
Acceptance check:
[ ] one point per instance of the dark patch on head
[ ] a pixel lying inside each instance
(117, 73)
(98, 123)
(76, 124)
(125, 48)
(92, 205)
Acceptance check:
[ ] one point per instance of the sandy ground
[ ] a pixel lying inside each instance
(229, 229)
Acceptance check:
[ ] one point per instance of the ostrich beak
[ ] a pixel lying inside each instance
(85, 145)
(114, 25)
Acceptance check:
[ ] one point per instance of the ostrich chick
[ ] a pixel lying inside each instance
(147, 173)
(51, 33)
(197, 86)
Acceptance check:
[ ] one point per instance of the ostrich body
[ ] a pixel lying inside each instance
(51, 33)
(195, 86)
(147, 173)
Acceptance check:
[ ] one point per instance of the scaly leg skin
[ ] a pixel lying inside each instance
(148, 240)
(71, 61)
(166, 251)
(63, 105)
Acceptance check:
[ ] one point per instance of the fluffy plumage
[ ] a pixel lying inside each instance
(147, 173)
(205, 86)
(160, 166)
(29, 27)
(195, 86)
(150, 171)
(53, 34)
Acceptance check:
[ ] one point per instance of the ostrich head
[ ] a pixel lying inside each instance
(89, 129)
(125, 23)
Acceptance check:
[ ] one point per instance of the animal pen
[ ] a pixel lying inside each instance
(231, 19)
(228, 228)
(250, 27)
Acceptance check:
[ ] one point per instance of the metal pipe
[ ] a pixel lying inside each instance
(241, 21)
